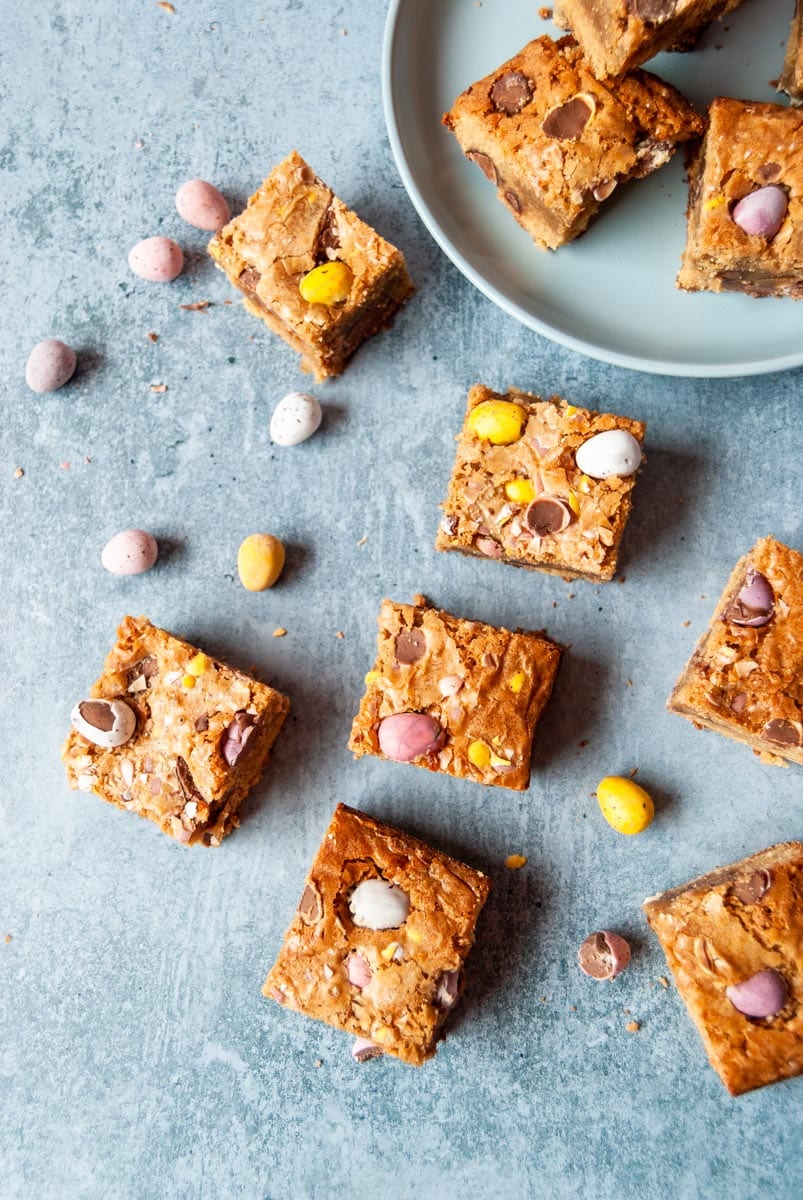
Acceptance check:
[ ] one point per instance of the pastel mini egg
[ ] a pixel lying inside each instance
(295, 418)
(130, 552)
(49, 366)
(202, 205)
(158, 259)
(614, 452)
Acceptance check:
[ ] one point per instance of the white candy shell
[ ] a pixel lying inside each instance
(377, 904)
(614, 452)
(105, 723)
(295, 418)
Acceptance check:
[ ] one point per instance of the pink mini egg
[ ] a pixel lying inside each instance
(158, 259)
(202, 205)
(50, 365)
(130, 552)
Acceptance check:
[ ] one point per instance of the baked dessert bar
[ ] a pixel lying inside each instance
(453, 695)
(378, 943)
(556, 142)
(734, 943)
(617, 35)
(541, 484)
(745, 678)
(791, 80)
(745, 214)
(172, 735)
(294, 225)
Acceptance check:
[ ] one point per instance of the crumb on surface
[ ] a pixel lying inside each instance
(515, 861)
(18, 473)
(280, 632)
(632, 1027)
(198, 306)
(7, 938)
(158, 387)
(152, 337)
(340, 634)
(664, 982)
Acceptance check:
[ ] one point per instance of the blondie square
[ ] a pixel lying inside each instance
(541, 484)
(455, 696)
(617, 35)
(745, 213)
(172, 735)
(378, 943)
(556, 142)
(791, 80)
(293, 225)
(745, 677)
(734, 943)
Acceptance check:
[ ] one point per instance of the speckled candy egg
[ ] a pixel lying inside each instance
(130, 552)
(295, 418)
(157, 259)
(49, 366)
(202, 205)
(614, 452)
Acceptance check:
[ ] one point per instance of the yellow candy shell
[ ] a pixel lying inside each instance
(625, 805)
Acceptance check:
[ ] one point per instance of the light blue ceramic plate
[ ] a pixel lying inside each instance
(612, 293)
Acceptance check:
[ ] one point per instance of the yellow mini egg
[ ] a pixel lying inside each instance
(260, 560)
(625, 805)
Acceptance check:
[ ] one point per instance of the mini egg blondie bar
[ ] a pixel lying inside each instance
(380, 938)
(734, 943)
(745, 677)
(617, 35)
(541, 484)
(455, 696)
(556, 142)
(791, 80)
(310, 268)
(745, 212)
(172, 735)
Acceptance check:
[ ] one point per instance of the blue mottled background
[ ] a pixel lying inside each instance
(137, 1056)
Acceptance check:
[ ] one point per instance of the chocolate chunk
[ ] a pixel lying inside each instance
(652, 12)
(754, 603)
(512, 201)
(328, 237)
(98, 714)
(249, 278)
(568, 121)
(309, 906)
(604, 189)
(410, 646)
(547, 515)
(484, 163)
(770, 172)
(650, 154)
(511, 92)
(141, 673)
(235, 735)
(186, 781)
(603, 955)
(752, 889)
(202, 723)
(783, 733)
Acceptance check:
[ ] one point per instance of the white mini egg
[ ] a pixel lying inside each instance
(295, 418)
(614, 452)
(377, 904)
(105, 723)
(130, 552)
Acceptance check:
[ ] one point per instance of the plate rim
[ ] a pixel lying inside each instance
(633, 362)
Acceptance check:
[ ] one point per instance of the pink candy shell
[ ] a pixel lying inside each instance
(157, 259)
(202, 205)
(130, 552)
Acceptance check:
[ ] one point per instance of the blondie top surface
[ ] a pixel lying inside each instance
(197, 748)
(386, 968)
(617, 35)
(791, 80)
(492, 507)
(556, 141)
(748, 146)
(293, 223)
(454, 695)
(720, 932)
(745, 677)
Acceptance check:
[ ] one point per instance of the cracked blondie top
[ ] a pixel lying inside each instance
(791, 80)
(455, 696)
(734, 943)
(745, 213)
(293, 224)
(745, 677)
(526, 501)
(378, 943)
(617, 35)
(199, 739)
(556, 142)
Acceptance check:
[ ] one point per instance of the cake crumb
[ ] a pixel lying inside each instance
(18, 474)
(65, 466)
(632, 774)
(158, 387)
(572, 1008)
(545, 13)
(198, 306)
(664, 982)
(152, 337)
(514, 861)
(340, 634)
(165, 6)
(686, 624)
(7, 939)
(630, 683)
(363, 540)
(280, 632)
(318, 1062)
(632, 1027)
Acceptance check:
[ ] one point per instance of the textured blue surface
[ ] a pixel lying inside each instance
(137, 1056)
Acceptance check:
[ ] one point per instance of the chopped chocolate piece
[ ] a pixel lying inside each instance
(410, 646)
(511, 92)
(97, 713)
(309, 906)
(485, 164)
(783, 733)
(753, 887)
(139, 675)
(202, 723)
(186, 781)
(567, 122)
(652, 12)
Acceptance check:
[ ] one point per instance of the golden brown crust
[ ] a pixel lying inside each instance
(292, 223)
(556, 141)
(614, 37)
(399, 1009)
(478, 518)
(486, 663)
(197, 802)
(739, 679)
(748, 145)
(722, 929)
